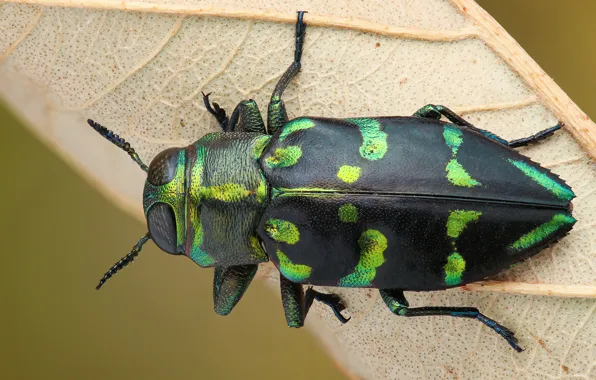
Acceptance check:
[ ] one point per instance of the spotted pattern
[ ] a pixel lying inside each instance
(372, 245)
(295, 125)
(284, 157)
(349, 174)
(559, 190)
(282, 231)
(542, 232)
(348, 213)
(456, 265)
(374, 140)
(291, 271)
(456, 174)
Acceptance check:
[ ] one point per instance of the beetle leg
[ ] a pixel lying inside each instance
(397, 303)
(218, 112)
(331, 300)
(229, 285)
(247, 118)
(432, 111)
(297, 304)
(276, 112)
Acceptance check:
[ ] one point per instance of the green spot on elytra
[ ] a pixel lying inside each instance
(196, 253)
(282, 231)
(559, 190)
(458, 220)
(349, 174)
(374, 140)
(291, 271)
(542, 232)
(295, 125)
(348, 213)
(229, 192)
(372, 245)
(284, 157)
(456, 174)
(456, 223)
(260, 144)
(453, 137)
(454, 269)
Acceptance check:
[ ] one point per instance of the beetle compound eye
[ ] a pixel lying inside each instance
(163, 167)
(162, 227)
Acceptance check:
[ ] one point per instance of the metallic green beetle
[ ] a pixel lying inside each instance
(394, 203)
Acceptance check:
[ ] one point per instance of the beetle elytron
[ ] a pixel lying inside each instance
(394, 203)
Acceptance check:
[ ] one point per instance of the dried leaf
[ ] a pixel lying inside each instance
(142, 73)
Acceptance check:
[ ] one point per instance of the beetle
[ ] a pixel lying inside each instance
(394, 203)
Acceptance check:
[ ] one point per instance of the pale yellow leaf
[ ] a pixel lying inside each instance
(141, 74)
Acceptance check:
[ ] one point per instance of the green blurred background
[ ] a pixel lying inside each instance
(156, 321)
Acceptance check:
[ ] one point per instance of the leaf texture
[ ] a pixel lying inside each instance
(142, 73)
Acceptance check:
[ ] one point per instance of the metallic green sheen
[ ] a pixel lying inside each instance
(284, 157)
(374, 140)
(229, 192)
(458, 220)
(282, 231)
(260, 145)
(173, 194)
(560, 191)
(454, 269)
(291, 271)
(372, 245)
(349, 174)
(197, 254)
(295, 125)
(348, 213)
(456, 174)
(542, 232)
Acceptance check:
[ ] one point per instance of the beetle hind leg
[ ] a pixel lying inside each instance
(276, 112)
(397, 303)
(297, 303)
(432, 111)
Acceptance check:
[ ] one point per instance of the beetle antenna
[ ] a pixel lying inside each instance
(124, 261)
(118, 141)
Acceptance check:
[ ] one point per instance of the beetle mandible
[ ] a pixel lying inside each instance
(394, 203)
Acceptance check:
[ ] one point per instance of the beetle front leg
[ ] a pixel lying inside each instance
(247, 118)
(217, 112)
(229, 285)
(276, 112)
(432, 111)
(397, 303)
(296, 303)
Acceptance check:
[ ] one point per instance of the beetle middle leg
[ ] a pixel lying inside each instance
(397, 303)
(247, 118)
(432, 111)
(276, 112)
(297, 303)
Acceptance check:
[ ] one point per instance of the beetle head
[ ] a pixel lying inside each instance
(163, 199)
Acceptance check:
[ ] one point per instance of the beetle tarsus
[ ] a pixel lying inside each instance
(331, 300)
(218, 112)
(501, 330)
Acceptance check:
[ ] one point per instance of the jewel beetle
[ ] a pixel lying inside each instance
(394, 203)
